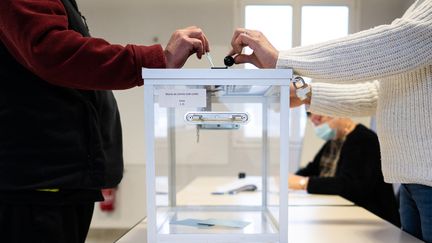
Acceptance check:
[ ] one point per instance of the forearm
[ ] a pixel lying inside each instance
(325, 185)
(36, 33)
(351, 188)
(368, 55)
(344, 100)
(340, 100)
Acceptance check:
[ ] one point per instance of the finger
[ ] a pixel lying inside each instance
(238, 45)
(237, 32)
(242, 58)
(232, 53)
(242, 41)
(206, 43)
(191, 27)
(195, 32)
(197, 47)
(236, 48)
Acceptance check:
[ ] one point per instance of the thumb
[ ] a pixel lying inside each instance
(232, 52)
(243, 58)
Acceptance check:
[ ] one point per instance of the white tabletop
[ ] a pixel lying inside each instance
(312, 218)
(321, 224)
(199, 192)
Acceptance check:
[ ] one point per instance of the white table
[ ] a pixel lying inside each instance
(321, 224)
(199, 192)
(312, 218)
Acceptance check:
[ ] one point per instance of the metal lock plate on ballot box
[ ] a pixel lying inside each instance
(217, 120)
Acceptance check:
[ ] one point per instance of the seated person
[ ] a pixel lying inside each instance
(348, 165)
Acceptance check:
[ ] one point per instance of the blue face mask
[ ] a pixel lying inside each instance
(324, 131)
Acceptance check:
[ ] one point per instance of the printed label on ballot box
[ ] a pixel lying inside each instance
(182, 98)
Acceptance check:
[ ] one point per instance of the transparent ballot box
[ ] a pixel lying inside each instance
(217, 154)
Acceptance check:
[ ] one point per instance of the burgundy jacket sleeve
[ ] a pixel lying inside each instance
(36, 33)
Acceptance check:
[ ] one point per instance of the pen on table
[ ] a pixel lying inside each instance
(206, 224)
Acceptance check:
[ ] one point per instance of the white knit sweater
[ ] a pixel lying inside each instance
(385, 71)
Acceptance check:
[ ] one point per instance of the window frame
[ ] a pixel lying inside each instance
(239, 21)
(239, 16)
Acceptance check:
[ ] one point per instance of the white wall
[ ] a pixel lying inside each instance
(376, 12)
(147, 21)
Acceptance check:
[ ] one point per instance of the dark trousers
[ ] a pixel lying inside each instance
(45, 224)
(416, 210)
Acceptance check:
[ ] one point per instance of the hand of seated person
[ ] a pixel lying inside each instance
(296, 182)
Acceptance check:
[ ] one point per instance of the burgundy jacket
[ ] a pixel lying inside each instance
(59, 122)
(38, 36)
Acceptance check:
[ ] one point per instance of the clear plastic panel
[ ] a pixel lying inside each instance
(203, 154)
(273, 155)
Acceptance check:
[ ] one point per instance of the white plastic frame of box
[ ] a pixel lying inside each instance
(264, 77)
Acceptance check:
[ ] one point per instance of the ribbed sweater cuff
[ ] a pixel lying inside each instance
(344, 100)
